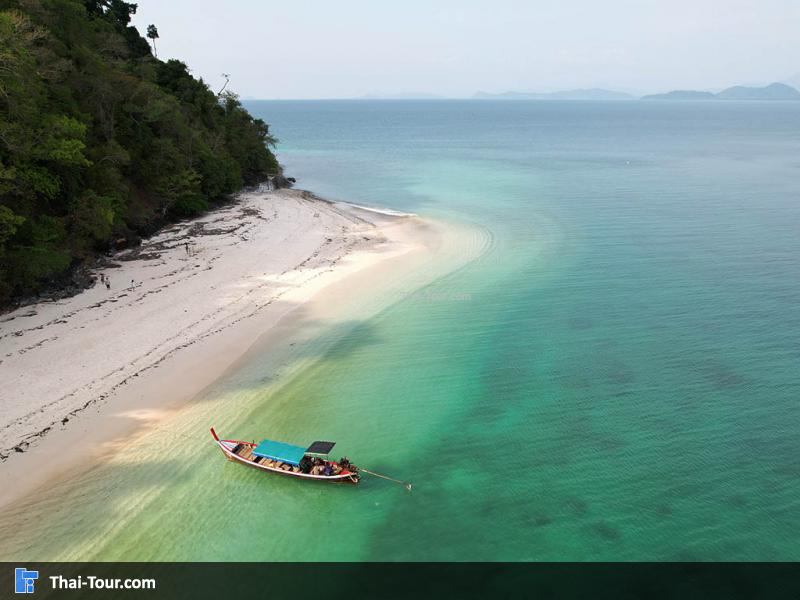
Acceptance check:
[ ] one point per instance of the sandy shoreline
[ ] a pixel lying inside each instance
(79, 373)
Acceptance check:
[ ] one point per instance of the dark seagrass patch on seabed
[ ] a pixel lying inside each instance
(605, 531)
(576, 506)
(581, 323)
(620, 376)
(719, 375)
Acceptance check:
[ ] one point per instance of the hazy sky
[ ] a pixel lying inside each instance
(346, 48)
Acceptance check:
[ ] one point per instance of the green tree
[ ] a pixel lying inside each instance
(101, 140)
(152, 33)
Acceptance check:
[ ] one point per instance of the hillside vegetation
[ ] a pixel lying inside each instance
(101, 142)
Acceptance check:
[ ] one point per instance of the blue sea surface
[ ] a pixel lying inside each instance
(624, 380)
(614, 376)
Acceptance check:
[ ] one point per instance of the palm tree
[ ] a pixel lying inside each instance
(152, 33)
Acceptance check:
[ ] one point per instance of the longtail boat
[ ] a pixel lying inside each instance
(295, 461)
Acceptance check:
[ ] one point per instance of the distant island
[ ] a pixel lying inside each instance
(682, 95)
(581, 94)
(773, 91)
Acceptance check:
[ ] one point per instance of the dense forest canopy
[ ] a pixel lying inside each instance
(100, 141)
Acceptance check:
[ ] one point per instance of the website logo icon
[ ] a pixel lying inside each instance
(24, 580)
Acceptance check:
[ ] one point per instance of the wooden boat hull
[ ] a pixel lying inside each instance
(228, 448)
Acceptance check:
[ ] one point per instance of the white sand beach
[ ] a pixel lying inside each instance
(181, 309)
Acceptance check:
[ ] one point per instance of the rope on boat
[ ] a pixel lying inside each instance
(403, 483)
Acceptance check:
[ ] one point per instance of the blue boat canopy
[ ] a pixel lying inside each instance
(287, 453)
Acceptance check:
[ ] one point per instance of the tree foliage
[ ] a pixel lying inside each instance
(99, 140)
(152, 34)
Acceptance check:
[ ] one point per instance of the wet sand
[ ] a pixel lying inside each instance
(81, 374)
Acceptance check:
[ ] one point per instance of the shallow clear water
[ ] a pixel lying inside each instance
(615, 377)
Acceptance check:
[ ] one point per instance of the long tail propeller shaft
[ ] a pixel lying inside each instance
(403, 483)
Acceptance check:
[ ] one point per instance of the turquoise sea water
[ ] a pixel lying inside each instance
(625, 380)
(616, 377)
